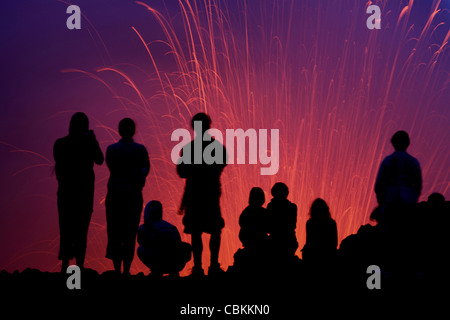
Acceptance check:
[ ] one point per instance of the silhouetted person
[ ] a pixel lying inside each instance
(252, 259)
(75, 156)
(282, 221)
(399, 179)
(434, 224)
(129, 165)
(201, 199)
(161, 248)
(321, 235)
(253, 222)
(436, 203)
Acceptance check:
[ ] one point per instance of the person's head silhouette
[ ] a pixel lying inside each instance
(280, 190)
(256, 197)
(400, 141)
(205, 121)
(79, 124)
(436, 199)
(127, 128)
(319, 209)
(153, 211)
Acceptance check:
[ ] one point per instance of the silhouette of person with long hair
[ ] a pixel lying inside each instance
(399, 179)
(253, 222)
(75, 156)
(161, 248)
(201, 199)
(251, 260)
(282, 221)
(321, 235)
(129, 165)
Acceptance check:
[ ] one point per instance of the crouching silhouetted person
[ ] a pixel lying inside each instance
(160, 245)
(321, 236)
(282, 221)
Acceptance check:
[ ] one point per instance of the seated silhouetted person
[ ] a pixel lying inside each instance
(161, 248)
(282, 221)
(253, 235)
(399, 179)
(75, 156)
(434, 233)
(436, 215)
(129, 165)
(201, 199)
(436, 203)
(253, 222)
(321, 235)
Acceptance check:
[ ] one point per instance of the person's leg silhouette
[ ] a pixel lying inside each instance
(197, 250)
(214, 246)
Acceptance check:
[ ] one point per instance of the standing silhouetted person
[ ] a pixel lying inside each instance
(321, 235)
(161, 248)
(253, 222)
(201, 199)
(399, 179)
(129, 165)
(75, 156)
(282, 220)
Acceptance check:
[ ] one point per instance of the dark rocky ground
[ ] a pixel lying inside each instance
(413, 273)
(288, 293)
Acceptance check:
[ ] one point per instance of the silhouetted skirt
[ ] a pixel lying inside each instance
(203, 216)
(75, 206)
(201, 204)
(123, 213)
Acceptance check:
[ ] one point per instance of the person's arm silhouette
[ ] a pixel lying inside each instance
(381, 183)
(183, 169)
(145, 164)
(335, 234)
(96, 151)
(417, 179)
